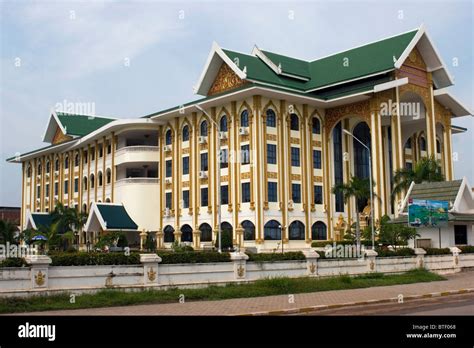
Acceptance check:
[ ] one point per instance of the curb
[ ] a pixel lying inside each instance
(358, 303)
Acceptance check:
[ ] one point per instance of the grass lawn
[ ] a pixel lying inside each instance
(263, 287)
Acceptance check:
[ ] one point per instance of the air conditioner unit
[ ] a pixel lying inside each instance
(168, 181)
(167, 212)
(167, 148)
(243, 131)
(202, 140)
(222, 135)
(202, 174)
(290, 204)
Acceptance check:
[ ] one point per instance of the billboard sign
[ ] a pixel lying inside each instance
(427, 213)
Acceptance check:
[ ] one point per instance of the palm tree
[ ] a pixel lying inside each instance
(54, 236)
(425, 170)
(359, 189)
(70, 221)
(7, 232)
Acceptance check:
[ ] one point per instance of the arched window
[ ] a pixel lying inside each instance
(107, 200)
(203, 129)
(422, 144)
(100, 178)
(56, 165)
(84, 183)
(249, 230)
(76, 160)
(408, 144)
(48, 167)
(271, 118)
(39, 168)
(92, 180)
(206, 232)
(319, 231)
(84, 207)
(66, 162)
(438, 146)
(168, 234)
(294, 122)
(316, 126)
(108, 176)
(187, 233)
(361, 156)
(185, 133)
(168, 137)
(244, 119)
(28, 171)
(223, 124)
(272, 230)
(297, 230)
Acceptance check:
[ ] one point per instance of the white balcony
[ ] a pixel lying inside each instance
(140, 153)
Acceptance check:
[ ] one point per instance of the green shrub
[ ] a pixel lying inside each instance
(437, 251)
(88, 259)
(291, 255)
(391, 253)
(226, 240)
(193, 257)
(13, 262)
(467, 249)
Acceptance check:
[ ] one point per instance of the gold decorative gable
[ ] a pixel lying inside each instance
(226, 79)
(60, 137)
(414, 68)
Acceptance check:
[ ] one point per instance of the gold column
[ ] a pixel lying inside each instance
(81, 175)
(175, 192)
(306, 170)
(258, 173)
(88, 176)
(253, 132)
(431, 122)
(194, 178)
(449, 150)
(113, 171)
(347, 167)
(96, 166)
(327, 177)
(23, 205)
(104, 173)
(282, 171)
(236, 163)
(214, 167)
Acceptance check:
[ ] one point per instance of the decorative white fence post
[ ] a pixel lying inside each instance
(420, 257)
(371, 260)
(311, 262)
(39, 270)
(240, 264)
(150, 268)
(456, 264)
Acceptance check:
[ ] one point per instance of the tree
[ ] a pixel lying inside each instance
(52, 235)
(7, 232)
(359, 189)
(395, 234)
(70, 221)
(425, 170)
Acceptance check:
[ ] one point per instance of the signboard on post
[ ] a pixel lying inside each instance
(427, 213)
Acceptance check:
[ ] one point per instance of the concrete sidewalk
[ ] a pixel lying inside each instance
(274, 305)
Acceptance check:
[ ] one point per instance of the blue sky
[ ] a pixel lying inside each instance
(75, 51)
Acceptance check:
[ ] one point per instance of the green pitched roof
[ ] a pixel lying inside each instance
(44, 220)
(80, 125)
(366, 60)
(116, 217)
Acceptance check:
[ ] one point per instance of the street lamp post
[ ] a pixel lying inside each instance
(370, 183)
(218, 163)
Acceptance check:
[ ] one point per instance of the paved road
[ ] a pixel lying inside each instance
(274, 304)
(446, 305)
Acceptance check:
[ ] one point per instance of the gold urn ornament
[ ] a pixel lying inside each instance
(151, 274)
(40, 278)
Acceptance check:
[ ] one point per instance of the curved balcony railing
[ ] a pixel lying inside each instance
(138, 148)
(140, 153)
(138, 180)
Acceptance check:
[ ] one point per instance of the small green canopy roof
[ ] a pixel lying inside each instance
(36, 220)
(109, 217)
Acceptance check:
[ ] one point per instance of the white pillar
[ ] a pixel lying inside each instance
(39, 270)
(150, 268)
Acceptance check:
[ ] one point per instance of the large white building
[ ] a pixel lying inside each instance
(279, 122)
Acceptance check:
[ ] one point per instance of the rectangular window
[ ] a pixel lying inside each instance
(168, 200)
(38, 192)
(224, 160)
(76, 185)
(109, 147)
(66, 187)
(47, 190)
(224, 194)
(101, 151)
(460, 234)
(245, 154)
(271, 154)
(316, 159)
(318, 194)
(272, 191)
(204, 162)
(185, 165)
(85, 157)
(56, 188)
(296, 193)
(295, 156)
(92, 153)
(204, 197)
(409, 165)
(168, 168)
(186, 199)
(246, 192)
